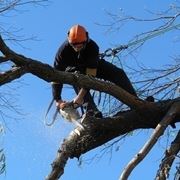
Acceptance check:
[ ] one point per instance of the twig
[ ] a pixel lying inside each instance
(159, 130)
(167, 161)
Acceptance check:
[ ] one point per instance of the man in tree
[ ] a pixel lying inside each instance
(80, 53)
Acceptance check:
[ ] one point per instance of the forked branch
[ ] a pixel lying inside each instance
(159, 130)
(167, 161)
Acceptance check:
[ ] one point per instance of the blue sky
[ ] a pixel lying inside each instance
(29, 145)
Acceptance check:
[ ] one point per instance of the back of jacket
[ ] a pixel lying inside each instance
(87, 58)
(66, 56)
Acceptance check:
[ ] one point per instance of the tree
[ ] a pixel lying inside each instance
(165, 111)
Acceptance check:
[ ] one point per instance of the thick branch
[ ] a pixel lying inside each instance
(100, 131)
(171, 114)
(3, 59)
(167, 161)
(11, 75)
(49, 74)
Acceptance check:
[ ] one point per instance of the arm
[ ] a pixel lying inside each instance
(56, 91)
(80, 97)
(57, 87)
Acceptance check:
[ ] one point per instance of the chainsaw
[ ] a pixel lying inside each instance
(69, 112)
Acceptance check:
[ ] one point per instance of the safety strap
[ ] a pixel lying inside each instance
(49, 107)
(112, 52)
(54, 116)
(53, 119)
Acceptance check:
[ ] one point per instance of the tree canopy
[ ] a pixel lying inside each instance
(162, 84)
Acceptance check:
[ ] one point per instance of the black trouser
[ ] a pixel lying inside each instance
(88, 98)
(112, 73)
(108, 72)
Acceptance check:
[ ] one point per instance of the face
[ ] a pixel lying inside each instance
(78, 46)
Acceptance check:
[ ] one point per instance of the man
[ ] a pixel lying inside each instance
(80, 53)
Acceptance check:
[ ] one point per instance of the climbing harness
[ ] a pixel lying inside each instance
(113, 51)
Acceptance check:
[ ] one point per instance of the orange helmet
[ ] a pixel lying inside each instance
(77, 34)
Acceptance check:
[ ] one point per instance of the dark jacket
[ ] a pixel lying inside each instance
(66, 57)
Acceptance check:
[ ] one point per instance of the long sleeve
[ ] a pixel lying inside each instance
(56, 91)
(57, 87)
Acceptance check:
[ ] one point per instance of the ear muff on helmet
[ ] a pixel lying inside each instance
(77, 34)
(87, 35)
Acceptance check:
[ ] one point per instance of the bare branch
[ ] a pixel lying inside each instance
(159, 130)
(49, 74)
(13, 4)
(162, 83)
(121, 18)
(14, 73)
(167, 161)
(100, 131)
(3, 59)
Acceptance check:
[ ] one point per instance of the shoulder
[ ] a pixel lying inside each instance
(91, 44)
(65, 45)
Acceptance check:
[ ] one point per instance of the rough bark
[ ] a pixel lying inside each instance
(167, 161)
(11, 75)
(100, 131)
(97, 131)
(49, 74)
(159, 131)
